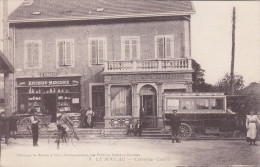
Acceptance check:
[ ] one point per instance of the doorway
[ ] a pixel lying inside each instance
(148, 100)
(49, 103)
(98, 105)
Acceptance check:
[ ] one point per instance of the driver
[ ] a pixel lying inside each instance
(64, 123)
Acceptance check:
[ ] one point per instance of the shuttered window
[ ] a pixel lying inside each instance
(65, 56)
(97, 51)
(33, 54)
(164, 47)
(130, 48)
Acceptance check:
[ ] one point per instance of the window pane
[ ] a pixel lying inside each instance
(188, 104)
(217, 104)
(36, 55)
(30, 55)
(202, 103)
(61, 53)
(100, 52)
(173, 104)
(134, 49)
(168, 48)
(94, 51)
(68, 53)
(127, 50)
(160, 47)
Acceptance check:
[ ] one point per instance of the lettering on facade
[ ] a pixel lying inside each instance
(175, 86)
(47, 82)
(42, 83)
(48, 74)
(148, 77)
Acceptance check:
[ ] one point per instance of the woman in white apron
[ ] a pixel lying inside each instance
(251, 121)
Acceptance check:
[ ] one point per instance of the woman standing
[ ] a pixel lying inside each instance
(251, 121)
(89, 115)
(83, 117)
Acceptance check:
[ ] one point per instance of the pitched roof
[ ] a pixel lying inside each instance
(5, 65)
(62, 10)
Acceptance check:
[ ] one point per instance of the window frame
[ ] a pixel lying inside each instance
(104, 50)
(123, 39)
(156, 44)
(72, 52)
(26, 42)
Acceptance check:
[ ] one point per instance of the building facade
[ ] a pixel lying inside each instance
(113, 56)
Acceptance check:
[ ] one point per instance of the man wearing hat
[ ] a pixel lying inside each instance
(35, 128)
(175, 122)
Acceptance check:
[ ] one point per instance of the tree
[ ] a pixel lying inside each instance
(223, 85)
(199, 84)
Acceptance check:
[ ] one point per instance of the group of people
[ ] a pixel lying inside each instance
(253, 127)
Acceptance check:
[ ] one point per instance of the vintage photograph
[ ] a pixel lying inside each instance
(123, 83)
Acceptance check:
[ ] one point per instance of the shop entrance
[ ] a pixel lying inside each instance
(98, 106)
(49, 103)
(149, 102)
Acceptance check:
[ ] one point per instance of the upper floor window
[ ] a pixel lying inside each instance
(33, 54)
(97, 50)
(130, 48)
(65, 53)
(164, 47)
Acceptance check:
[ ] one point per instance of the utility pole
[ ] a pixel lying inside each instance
(233, 52)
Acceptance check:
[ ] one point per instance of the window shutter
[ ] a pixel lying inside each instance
(100, 51)
(127, 49)
(93, 51)
(160, 47)
(134, 49)
(36, 54)
(168, 48)
(61, 53)
(68, 53)
(29, 55)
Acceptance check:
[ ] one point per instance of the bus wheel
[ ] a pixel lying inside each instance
(185, 131)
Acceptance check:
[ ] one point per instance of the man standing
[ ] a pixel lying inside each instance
(35, 128)
(83, 117)
(175, 122)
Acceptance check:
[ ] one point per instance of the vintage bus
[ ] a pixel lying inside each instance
(199, 112)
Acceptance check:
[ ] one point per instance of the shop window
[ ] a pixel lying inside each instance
(97, 50)
(173, 104)
(33, 54)
(65, 53)
(217, 104)
(164, 47)
(121, 101)
(188, 104)
(130, 48)
(202, 103)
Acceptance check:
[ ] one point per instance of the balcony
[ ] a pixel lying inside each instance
(182, 64)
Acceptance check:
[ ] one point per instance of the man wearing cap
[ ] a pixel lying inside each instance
(175, 122)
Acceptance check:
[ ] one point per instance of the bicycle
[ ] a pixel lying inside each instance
(57, 139)
(25, 125)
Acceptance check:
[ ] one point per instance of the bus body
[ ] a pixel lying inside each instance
(203, 112)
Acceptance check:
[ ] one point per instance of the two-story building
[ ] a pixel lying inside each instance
(114, 56)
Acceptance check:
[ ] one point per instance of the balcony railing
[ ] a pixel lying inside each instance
(148, 65)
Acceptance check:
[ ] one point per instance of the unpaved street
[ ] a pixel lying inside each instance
(129, 152)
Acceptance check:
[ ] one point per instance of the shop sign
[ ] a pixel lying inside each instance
(175, 86)
(47, 82)
(152, 77)
(48, 74)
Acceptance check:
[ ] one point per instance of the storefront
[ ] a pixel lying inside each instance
(49, 95)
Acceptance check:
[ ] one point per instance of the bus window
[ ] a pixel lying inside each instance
(202, 103)
(217, 103)
(173, 104)
(188, 104)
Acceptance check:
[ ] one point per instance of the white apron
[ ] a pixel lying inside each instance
(251, 132)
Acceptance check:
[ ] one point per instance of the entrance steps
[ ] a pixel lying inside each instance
(155, 133)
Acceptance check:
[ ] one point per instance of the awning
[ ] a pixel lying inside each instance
(5, 65)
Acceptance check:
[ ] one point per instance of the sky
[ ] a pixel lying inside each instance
(211, 29)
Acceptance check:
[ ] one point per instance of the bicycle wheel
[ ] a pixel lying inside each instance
(24, 127)
(74, 139)
(55, 140)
